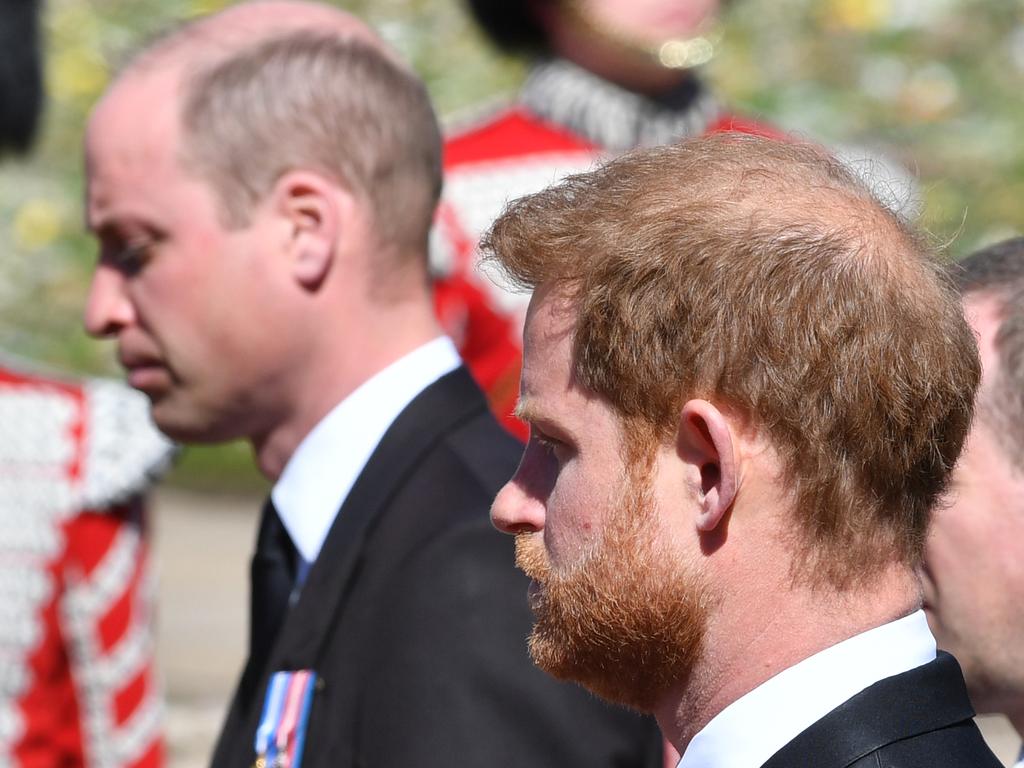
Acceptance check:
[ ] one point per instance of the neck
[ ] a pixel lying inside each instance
(757, 638)
(348, 352)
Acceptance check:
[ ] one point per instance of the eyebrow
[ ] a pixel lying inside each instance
(538, 418)
(526, 411)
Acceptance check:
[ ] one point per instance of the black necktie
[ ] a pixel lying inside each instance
(273, 575)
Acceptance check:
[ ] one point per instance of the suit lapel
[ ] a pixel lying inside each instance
(924, 699)
(441, 407)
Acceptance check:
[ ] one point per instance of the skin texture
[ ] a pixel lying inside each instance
(254, 331)
(710, 535)
(974, 571)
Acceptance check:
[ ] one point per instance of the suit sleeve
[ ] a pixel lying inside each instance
(453, 635)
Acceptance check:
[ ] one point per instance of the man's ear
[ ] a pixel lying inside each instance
(705, 440)
(311, 207)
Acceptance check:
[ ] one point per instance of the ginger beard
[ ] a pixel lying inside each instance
(628, 620)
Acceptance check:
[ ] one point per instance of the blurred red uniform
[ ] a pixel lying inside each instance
(77, 681)
(565, 120)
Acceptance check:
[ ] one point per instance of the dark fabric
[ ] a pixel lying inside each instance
(416, 620)
(918, 719)
(272, 577)
(21, 74)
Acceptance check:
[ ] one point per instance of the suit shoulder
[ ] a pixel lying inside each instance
(447, 493)
(485, 451)
(960, 745)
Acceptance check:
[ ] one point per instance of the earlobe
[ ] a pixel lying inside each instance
(307, 201)
(705, 441)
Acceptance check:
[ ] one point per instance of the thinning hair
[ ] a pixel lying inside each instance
(997, 273)
(764, 277)
(324, 102)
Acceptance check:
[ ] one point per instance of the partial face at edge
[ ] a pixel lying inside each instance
(974, 558)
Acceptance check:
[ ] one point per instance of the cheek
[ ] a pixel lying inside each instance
(537, 473)
(964, 555)
(574, 509)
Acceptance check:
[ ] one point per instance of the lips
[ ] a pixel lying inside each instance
(144, 372)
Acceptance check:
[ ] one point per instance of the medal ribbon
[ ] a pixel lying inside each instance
(271, 713)
(290, 717)
(281, 734)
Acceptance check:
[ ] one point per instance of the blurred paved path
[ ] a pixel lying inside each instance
(203, 544)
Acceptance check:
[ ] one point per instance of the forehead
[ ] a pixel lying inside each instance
(550, 388)
(547, 343)
(553, 400)
(135, 123)
(132, 141)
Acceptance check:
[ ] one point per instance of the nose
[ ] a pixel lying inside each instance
(518, 508)
(108, 308)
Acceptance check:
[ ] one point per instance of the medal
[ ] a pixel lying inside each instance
(281, 734)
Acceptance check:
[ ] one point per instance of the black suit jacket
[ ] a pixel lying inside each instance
(416, 619)
(918, 719)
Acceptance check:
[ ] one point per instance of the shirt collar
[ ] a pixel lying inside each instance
(757, 725)
(319, 475)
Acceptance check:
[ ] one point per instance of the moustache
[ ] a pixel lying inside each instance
(532, 558)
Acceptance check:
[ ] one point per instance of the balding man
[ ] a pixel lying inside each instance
(974, 559)
(262, 184)
(746, 384)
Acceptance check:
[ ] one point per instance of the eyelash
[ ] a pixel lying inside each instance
(545, 442)
(132, 257)
(549, 445)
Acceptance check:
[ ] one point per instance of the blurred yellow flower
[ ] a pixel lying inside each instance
(203, 7)
(37, 223)
(77, 72)
(859, 15)
(76, 69)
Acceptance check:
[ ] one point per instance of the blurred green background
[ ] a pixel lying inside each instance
(937, 85)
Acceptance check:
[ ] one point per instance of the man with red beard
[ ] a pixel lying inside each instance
(746, 383)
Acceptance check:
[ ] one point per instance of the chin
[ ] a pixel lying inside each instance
(186, 426)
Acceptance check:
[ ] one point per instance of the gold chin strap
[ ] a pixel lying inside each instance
(673, 53)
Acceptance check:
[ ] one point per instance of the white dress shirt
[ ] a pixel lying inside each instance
(757, 725)
(319, 475)
(1020, 760)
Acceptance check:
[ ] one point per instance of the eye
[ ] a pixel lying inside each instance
(551, 446)
(129, 257)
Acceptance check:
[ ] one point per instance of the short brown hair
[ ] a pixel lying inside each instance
(997, 272)
(324, 102)
(763, 276)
